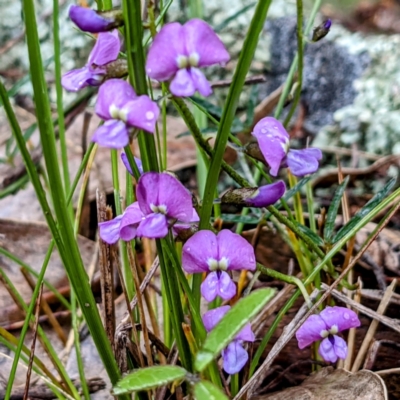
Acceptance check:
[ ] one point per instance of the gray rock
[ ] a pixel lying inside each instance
(329, 72)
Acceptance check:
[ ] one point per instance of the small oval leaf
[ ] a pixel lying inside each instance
(149, 378)
(206, 390)
(232, 323)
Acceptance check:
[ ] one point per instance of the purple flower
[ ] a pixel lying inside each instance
(181, 226)
(207, 252)
(262, 196)
(273, 141)
(164, 201)
(177, 53)
(234, 355)
(93, 21)
(104, 51)
(125, 160)
(324, 327)
(118, 104)
(123, 226)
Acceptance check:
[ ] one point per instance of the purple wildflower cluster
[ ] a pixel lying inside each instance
(163, 204)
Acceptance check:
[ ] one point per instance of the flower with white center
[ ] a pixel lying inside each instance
(177, 53)
(207, 252)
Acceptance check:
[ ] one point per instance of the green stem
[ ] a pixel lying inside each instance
(245, 59)
(300, 57)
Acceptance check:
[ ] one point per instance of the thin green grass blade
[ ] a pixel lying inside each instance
(333, 210)
(71, 258)
(206, 390)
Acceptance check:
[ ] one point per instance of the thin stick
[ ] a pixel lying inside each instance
(374, 325)
(133, 265)
(33, 346)
(44, 305)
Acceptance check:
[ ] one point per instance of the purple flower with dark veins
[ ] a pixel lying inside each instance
(325, 327)
(273, 141)
(177, 53)
(118, 104)
(207, 252)
(234, 355)
(138, 161)
(92, 21)
(164, 201)
(104, 51)
(123, 226)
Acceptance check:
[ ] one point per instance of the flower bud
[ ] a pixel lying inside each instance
(262, 196)
(93, 21)
(321, 30)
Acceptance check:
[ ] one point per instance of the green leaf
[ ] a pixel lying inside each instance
(215, 111)
(312, 235)
(364, 211)
(206, 390)
(149, 378)
(240, 219)
(232, 323)
(333, 210)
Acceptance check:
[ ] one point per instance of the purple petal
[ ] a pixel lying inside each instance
(210, 286)
(167, 46)
(88, 20)
(180, 226)
(267, 195)
(106, 48)
(197, 250)
(303, 162)
(109, 230)
(142, 113)
(238, 252)
(147, 191)
(340, 347)
(235, 357)
(154, 226)
(112, 133)
(212, 317)
(273, 141)
(310, 331)
(200, 82)
(78, 79)
(246, 334)
(327, 351)
(116, 93)
(218, 283)
(176, 197)
(130, 222)
(342, 317)
(138, 162)
(202, 40)
(183, 84)
(226, 287)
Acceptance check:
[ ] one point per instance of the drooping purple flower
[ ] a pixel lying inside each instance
(92, 21)
(234, 355)
(118, 104)
(104, 51)
(207, 252)
(164, 201)
(324, 327)
(123, 226)
(177, 53)
(181, 226)
(273, 141)
(262, 196)
(138, 161)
